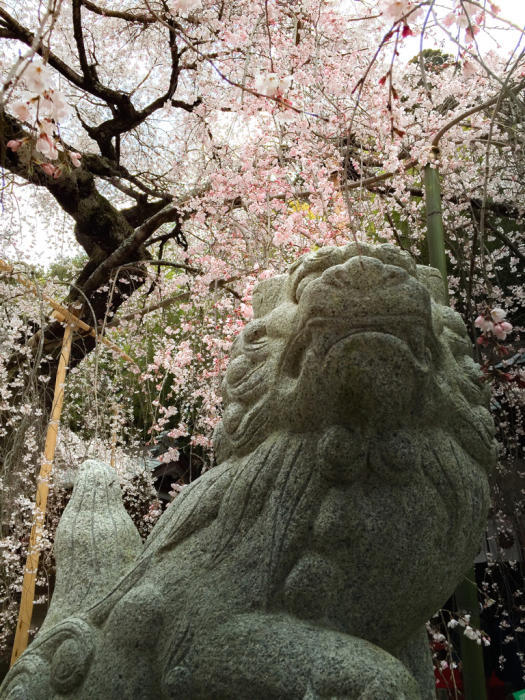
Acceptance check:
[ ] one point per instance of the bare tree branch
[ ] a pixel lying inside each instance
(127, 16)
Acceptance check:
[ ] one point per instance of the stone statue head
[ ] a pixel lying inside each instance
(354, 336)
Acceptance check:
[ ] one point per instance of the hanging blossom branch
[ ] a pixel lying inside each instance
(478, 108)
(276, 97)
(41, 36)
(413, 162)
(118, 14)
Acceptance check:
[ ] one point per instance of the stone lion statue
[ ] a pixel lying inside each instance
(349, 498)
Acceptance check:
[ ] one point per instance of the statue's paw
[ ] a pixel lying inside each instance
(265, 657)
(55, 665)
(368, 673)
(378, 691)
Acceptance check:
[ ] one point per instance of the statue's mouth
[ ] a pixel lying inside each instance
(325, 334)
(250, 382)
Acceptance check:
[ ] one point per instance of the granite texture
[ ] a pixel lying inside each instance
(350, 496)
(96, 543)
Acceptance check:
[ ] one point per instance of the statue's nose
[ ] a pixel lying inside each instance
(364, 273)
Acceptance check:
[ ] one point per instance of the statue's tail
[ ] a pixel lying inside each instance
(96, 543)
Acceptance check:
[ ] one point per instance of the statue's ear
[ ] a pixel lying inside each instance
(432, 279)
(268, 294)
(96, 543)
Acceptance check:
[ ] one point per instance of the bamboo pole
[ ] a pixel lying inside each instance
(33, 553)
(466, 593)
(435, 231)
(61, 313)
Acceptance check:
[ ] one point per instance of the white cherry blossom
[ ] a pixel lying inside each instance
(397, 9)
(177, 6)
(21, 111)
(498, 314)
(37, 78)
(270, 84)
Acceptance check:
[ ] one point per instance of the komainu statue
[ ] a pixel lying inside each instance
(349, 498)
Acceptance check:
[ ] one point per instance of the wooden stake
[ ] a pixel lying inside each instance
(33, 552)
(471, 653)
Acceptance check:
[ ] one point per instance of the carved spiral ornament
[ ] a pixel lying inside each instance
(61, 661)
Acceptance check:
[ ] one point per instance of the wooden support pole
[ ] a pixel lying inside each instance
(33, 553)
(61, 313)
(471, 653)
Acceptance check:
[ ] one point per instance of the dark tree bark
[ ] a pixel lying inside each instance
(111, 237)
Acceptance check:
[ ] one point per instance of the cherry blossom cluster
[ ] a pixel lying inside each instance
(396, 10)
(476, 635)
(43, 108)
(493, 324)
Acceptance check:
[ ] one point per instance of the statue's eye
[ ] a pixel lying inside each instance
(255, 333)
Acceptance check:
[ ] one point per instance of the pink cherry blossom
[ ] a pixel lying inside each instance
(175, 489)
(61, 109)
(21, 110)
(246, 311)
(469, 68)
(14, 144)
(75, 158)
(54, 105)
(497, 326)
(501, 330)
(50, 169)
(484, 324)
(470, 32)
(46, 147)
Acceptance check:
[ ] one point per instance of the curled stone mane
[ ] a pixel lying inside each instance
(349, 498)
